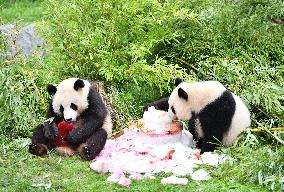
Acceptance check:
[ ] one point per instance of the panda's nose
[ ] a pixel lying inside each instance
(68, 120)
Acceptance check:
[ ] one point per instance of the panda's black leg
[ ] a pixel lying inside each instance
(209, 143)
(207, 146)
(198, 143)
(192, 130)
(94, 144)
(39, 142)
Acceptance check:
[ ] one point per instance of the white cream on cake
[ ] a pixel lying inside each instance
(157, 120)
(156, 127)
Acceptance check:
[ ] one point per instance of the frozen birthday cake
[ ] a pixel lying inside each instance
(156, 127)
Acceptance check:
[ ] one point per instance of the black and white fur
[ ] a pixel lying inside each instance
(214, 113)
(77, 101)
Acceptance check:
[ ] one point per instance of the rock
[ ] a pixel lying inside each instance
(22, 41)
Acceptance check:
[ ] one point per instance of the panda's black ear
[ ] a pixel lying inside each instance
(182, 94)
(51, 89)
(178, 81)
(79, 84)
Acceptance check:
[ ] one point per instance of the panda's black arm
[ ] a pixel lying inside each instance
(84, 131)
(161, 104)
(50, 130)
(93, 119)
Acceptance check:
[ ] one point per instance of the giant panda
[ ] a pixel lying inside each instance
(215, 114)
(77, 101)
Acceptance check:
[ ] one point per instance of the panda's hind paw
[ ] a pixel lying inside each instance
(38, 149)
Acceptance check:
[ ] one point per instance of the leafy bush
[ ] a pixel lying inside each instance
(20, 11)
(139, 47)
(23, 99)
(111, 39)
(149, 43)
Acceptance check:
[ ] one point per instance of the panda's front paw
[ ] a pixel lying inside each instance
(50, 132)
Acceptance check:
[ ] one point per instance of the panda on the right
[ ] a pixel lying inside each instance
(215, 114)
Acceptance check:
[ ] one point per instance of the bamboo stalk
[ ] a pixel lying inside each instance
(256, 130)
(269, 131)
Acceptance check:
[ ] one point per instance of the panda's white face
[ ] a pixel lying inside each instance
(66, 108)
(70, 98)
(193, 97)
(178, 104)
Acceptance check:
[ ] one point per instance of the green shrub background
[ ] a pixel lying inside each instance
(138, 48)
(18, 11)
(149, 43)
(23, 97)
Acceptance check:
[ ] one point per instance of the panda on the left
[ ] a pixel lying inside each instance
(75, 102)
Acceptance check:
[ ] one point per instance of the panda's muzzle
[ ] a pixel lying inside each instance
(70, 115)
(68, 120)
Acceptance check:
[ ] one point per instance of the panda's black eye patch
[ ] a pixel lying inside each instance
(173, 110)
(61, 109)
(74, 106)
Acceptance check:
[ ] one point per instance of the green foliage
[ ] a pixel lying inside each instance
(149, 43)
(23, 99)
(138, 48)
(23, 11)
(126, 102)
(255, 164)
(111, 40)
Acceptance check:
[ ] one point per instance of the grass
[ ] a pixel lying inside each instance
(22, 171)
(258, 159)
(20, 11)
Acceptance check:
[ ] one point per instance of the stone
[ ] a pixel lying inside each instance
(24, 41)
